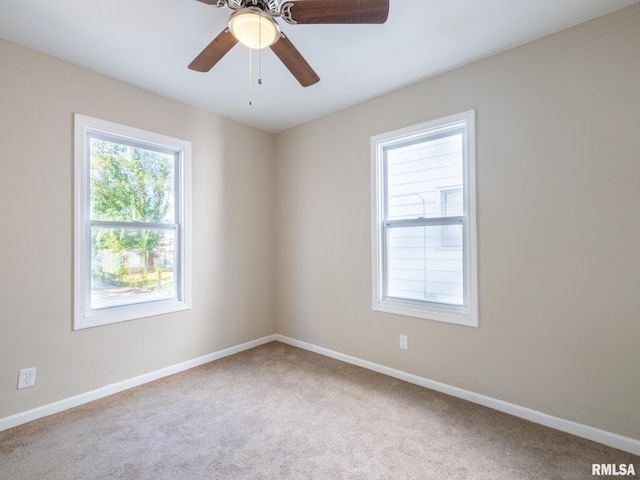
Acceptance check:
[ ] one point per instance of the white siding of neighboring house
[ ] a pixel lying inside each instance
(425, 263)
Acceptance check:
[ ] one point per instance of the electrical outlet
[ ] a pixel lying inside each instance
(27, 377)
(404, 343)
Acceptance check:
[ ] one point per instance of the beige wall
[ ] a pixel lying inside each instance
(558, 214)
(233, 234)
(558, 162)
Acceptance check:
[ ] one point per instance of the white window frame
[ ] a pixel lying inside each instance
(84, 316)
(462, 315)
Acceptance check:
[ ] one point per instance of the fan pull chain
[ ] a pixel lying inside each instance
(259, 65)
(259, 53)
(250, 80)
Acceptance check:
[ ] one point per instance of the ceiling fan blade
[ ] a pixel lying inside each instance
(294, 61)
(213, 52)
(335, 11)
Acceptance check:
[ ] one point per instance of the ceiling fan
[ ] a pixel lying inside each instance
(253, 23)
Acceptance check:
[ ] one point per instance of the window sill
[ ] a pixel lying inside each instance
(125, 313)
(459, 317)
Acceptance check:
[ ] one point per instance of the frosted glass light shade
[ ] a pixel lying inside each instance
(254, 28)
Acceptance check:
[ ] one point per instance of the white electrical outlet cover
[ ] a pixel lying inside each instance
(27, 377)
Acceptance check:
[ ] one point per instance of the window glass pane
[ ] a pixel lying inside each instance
(418, 171)
(452, 207)
(418, 269)
(131, 266)
(131, 183)
(452, 202)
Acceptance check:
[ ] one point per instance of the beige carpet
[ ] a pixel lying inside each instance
(278, 412)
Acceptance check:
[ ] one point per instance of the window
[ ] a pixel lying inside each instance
(423, 221)
(132, 231)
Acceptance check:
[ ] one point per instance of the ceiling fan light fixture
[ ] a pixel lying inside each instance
(254, 28)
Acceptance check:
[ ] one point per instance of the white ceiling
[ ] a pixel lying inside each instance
(149, 43)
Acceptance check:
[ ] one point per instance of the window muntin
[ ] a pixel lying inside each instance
(132, 223)
(423, 228)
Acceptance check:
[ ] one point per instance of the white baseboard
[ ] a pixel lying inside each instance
(65, 404)
(626, 444)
